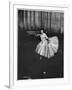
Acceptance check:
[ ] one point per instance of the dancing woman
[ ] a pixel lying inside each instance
(47, 46)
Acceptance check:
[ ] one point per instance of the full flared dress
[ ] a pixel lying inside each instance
(47, 46)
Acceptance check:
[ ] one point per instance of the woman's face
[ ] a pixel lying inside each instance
(41, 31)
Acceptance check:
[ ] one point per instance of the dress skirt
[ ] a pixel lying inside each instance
(48, 48)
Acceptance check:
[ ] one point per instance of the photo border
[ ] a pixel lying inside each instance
(13, 82)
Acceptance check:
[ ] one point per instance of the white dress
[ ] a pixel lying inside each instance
(45, 48)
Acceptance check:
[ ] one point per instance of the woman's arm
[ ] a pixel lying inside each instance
(46, 36)
(37, 34)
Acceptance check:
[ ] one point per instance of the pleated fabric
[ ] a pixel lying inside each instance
(48, 48)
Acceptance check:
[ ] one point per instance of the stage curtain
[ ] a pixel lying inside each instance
(50, 21)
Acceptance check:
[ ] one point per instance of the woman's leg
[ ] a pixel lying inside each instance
(40, 57)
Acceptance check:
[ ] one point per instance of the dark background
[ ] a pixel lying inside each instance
(29, 63)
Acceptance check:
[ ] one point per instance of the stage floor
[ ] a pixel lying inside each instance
(29, 64)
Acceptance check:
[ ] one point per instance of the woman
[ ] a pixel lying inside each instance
(48, 46)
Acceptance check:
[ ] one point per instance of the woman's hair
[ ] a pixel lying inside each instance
(45, 31)
(42, 29)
